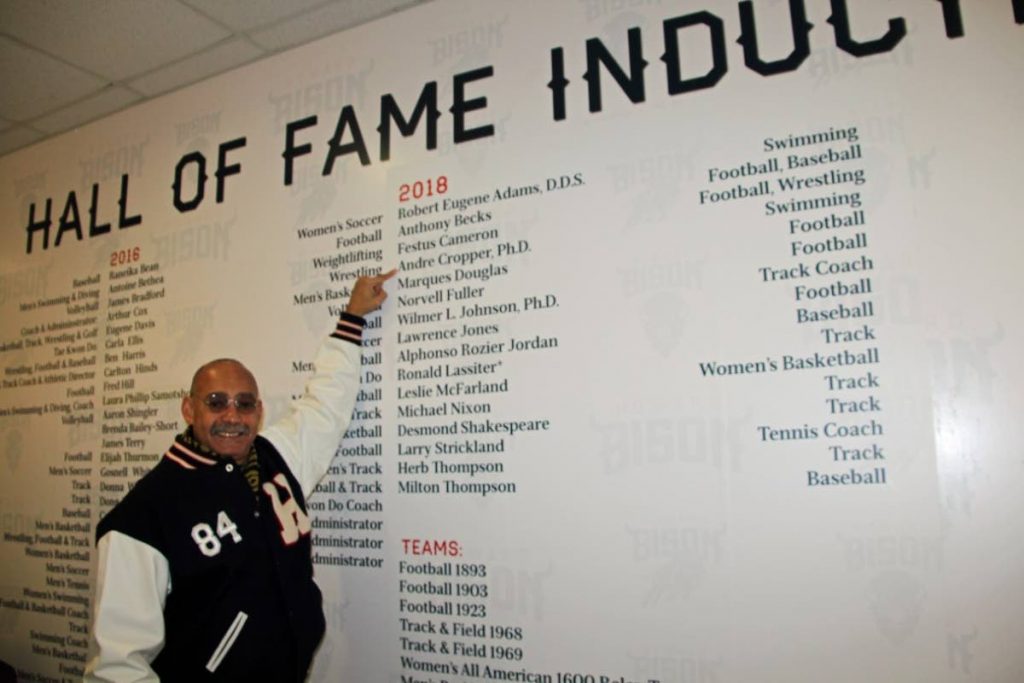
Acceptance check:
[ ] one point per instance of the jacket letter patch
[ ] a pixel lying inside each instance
(293, 521)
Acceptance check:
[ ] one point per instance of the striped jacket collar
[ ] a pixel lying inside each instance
(188, 458)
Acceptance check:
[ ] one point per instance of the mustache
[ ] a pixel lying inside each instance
(226, 428)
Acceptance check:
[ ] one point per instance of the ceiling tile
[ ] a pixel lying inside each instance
(107, 101)
(227, 55)
(81, 54)
(243, 15)
(330, 18)
(52, 85)
(17, 137)
(112, 38)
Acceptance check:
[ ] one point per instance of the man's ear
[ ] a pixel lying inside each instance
(186, 409)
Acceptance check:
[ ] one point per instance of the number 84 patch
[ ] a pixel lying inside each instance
(293, 521)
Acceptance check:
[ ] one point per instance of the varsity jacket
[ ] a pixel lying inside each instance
(200, 579)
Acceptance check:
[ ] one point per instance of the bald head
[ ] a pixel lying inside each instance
(214, 365)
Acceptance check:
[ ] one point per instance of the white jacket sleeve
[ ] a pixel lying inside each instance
(308, 437)
(132, 584)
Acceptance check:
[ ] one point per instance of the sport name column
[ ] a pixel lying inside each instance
(49, 388)
(349, 517)
(811, 188)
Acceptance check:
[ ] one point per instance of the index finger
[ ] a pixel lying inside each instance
(384, 277)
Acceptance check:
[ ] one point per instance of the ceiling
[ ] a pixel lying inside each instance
(64, 63)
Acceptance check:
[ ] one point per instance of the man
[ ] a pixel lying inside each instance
(205, 569)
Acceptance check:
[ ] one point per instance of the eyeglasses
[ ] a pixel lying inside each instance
(218, 402)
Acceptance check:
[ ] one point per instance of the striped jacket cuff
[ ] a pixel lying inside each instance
(350, 328)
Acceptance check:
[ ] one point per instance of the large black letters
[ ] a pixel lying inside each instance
(840, 20)
(801, 44)
(632, 85)
(389, 111)
(290, 150)
(677, 85)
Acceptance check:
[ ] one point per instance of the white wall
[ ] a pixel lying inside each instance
(654, 520)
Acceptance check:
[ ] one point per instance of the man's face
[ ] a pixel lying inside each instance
(229, 432)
